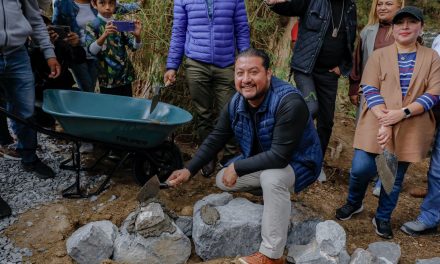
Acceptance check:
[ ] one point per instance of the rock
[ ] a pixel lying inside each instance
(361, 256)
(92, 243)
(428, 261)
(239, 219)
(385, 251)
(149, 216)
(166, 248)
(330, 237)
(148, 230)
(302, 227)
(209, 214)
(187, 211)
(185, 224)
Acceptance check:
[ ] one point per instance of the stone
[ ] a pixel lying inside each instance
(239, 219)
(302, 226)
(385, 251)
(330, 237)
(149, 216)
(187, 211)
(428, 261)
(361, 256)
(185, 224)
(167, 248)
(209, 214)
(92, 242)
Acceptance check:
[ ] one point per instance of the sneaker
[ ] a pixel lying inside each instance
(258, 258)
(41, 170)
(322, 177)
(376, 191)
(347, 211)
(417, 228)
(209, 168)
(9, 152)
(5, 210)
(383, 228)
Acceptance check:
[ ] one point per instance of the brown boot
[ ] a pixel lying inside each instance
(418, 192)
(258, 258)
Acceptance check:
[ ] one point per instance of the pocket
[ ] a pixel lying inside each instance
(314, 21)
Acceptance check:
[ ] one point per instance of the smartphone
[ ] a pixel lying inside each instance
(124, 26)
(62, 31)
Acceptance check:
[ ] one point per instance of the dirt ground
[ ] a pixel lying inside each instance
(45, 230)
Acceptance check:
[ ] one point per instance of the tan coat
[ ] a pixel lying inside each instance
(412, 137)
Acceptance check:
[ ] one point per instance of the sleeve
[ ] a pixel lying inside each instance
(372, 96)
(427, 100)
(356, 71)
(216, 140)
(39, 30)
(241, 26)
(291, 121)
(178, 36)
(291, 8)
(433, 80)
(90, 40)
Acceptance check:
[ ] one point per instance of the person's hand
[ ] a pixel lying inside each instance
(73, 39)
(52, 34)
(178, 177)
(169, 77)
(354, 99)
(336, 71)
(384, 135)
(55, 68)
(391, 117)
(273, 2)
(229, 176)
(109, 29)
(137, 30)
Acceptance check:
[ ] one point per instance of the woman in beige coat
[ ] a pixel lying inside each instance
(401, 83)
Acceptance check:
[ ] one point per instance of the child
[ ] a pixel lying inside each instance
(77, 14)
(115, 72)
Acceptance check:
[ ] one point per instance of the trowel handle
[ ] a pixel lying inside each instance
(164, 185)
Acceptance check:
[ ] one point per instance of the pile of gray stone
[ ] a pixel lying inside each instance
(148, 235)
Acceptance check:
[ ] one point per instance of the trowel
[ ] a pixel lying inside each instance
(151, 189)
(156, 95)
(386, 164)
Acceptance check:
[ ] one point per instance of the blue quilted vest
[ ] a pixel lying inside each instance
(306, 160)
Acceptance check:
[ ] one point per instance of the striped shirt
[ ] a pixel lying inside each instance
(406, 63)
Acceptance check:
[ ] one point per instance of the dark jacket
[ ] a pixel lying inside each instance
(283, 133)
(315, 20)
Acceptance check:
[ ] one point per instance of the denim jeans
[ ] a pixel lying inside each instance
(363, 169)
(430, 208)
(85, 75)
(17, 85)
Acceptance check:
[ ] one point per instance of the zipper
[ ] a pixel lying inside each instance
(254, 123)
(4, 23)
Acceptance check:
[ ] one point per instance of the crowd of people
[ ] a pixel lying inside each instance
(273, 135)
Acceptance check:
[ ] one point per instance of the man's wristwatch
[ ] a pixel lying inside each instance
(407, 112)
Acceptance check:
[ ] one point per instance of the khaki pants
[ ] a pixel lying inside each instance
(276, 185)
(210, 88)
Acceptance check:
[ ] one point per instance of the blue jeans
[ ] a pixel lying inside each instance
(17, 87)
(363, 168)
(86, 75)
(430, 208)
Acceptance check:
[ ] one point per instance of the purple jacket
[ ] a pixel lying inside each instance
(209, 40)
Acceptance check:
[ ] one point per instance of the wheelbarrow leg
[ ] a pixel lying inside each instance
(74, 190)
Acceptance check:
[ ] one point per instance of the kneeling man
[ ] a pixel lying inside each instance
(280, 148)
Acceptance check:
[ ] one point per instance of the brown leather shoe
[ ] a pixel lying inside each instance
(258, 258)
(418, 192)
(209, 168)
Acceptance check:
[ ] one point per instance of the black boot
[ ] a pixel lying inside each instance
(5, 210)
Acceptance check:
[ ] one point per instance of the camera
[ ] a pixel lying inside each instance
(124, 26)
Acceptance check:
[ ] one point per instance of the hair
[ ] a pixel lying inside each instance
(252, 52)
(95, 2)
(373, 18)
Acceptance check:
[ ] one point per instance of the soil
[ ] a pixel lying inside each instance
(45, 230)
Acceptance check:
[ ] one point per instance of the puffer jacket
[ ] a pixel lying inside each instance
(314, 22)
(210, 40)
(20, 19)
(306, 160)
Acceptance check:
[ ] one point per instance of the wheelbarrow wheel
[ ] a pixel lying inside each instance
(161, 162)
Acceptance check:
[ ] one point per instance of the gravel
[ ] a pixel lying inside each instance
(23, 191)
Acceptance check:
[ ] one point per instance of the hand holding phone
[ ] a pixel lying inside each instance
(62, 31)
(124, 26)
